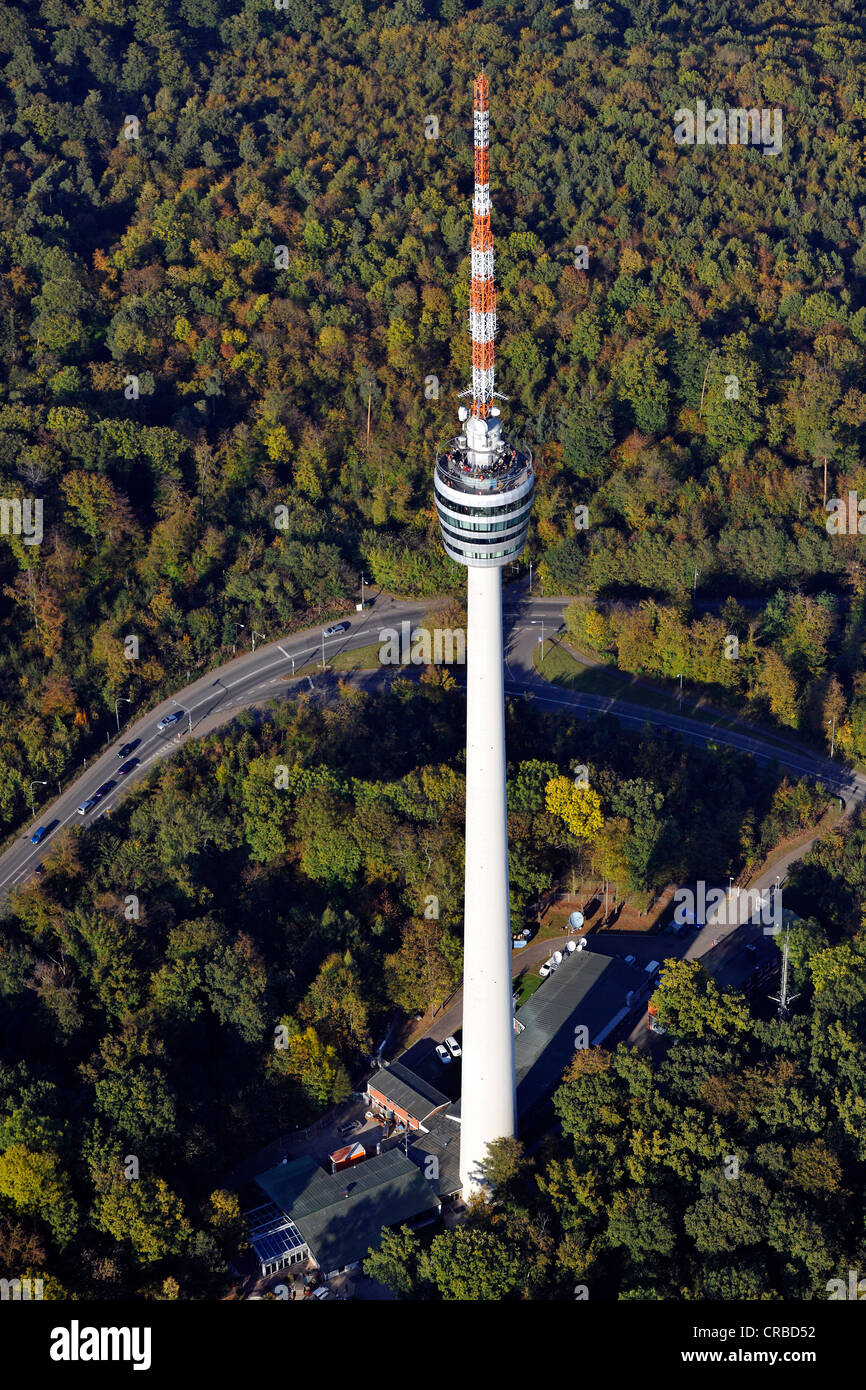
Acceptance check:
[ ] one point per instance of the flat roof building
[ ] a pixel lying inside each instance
(588, 991)
(436, 1151)
(340, 1216)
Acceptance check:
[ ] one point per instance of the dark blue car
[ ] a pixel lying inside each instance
(43, 831)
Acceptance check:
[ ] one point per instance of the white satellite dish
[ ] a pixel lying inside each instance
(575, 921)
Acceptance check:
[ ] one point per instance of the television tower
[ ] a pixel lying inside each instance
(484, 488)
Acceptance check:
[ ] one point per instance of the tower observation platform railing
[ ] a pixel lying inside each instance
(504, 473)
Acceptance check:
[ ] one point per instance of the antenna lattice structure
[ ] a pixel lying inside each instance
(482, 301)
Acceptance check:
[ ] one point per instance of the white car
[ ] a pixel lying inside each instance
(544, 970)
(170, 719)
(454, 1048)
(86, 805)
(443, 1054)
(335, 630)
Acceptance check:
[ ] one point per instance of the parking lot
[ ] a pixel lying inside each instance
(445, 1076)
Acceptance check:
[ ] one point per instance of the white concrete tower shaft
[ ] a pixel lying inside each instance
(487, 1108)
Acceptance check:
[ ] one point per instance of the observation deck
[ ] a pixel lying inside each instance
(484, 489)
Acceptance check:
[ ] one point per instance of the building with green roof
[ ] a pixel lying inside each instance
(340, 1215)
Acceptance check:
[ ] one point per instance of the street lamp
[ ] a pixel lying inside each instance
(121, 700)
(539, 622)
(695, 585)
(239, 627)
(530, 576)
(681, 691)
(363, 581)
(32, 785)
(255, 634)
(180, 706)
(832, 735)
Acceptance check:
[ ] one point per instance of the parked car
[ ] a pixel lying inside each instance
(336, 629)
(86, 806)
(454, 1048)
(349, 1127)
(629, 960)
(126, 748)
(545, 969)
(443, 1054)
(103, 790)
(127, 767)
(170, 719)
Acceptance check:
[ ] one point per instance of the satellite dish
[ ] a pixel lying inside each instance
(575, 921)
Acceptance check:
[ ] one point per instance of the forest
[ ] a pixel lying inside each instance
(229, 230)
(278, 876)
(231, 233)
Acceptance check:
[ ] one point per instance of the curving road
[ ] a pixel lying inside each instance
(256, 677)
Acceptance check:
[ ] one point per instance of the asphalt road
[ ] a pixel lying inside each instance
(256, 677)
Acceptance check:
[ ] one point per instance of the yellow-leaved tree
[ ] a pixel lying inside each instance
(579, 807)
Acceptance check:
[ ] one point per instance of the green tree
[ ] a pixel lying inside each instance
(35, 1183)
(143, 1213)
(314, 1064)
(395, 1262)
(689, 1002)
(473, 1264)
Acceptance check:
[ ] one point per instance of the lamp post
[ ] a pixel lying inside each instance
(32, 785)
(255, 634)
(121, 700)
(180, 707)
(832, 735)
(239, 627)
(539, 622)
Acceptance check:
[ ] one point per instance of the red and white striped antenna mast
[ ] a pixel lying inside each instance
(482, 303)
